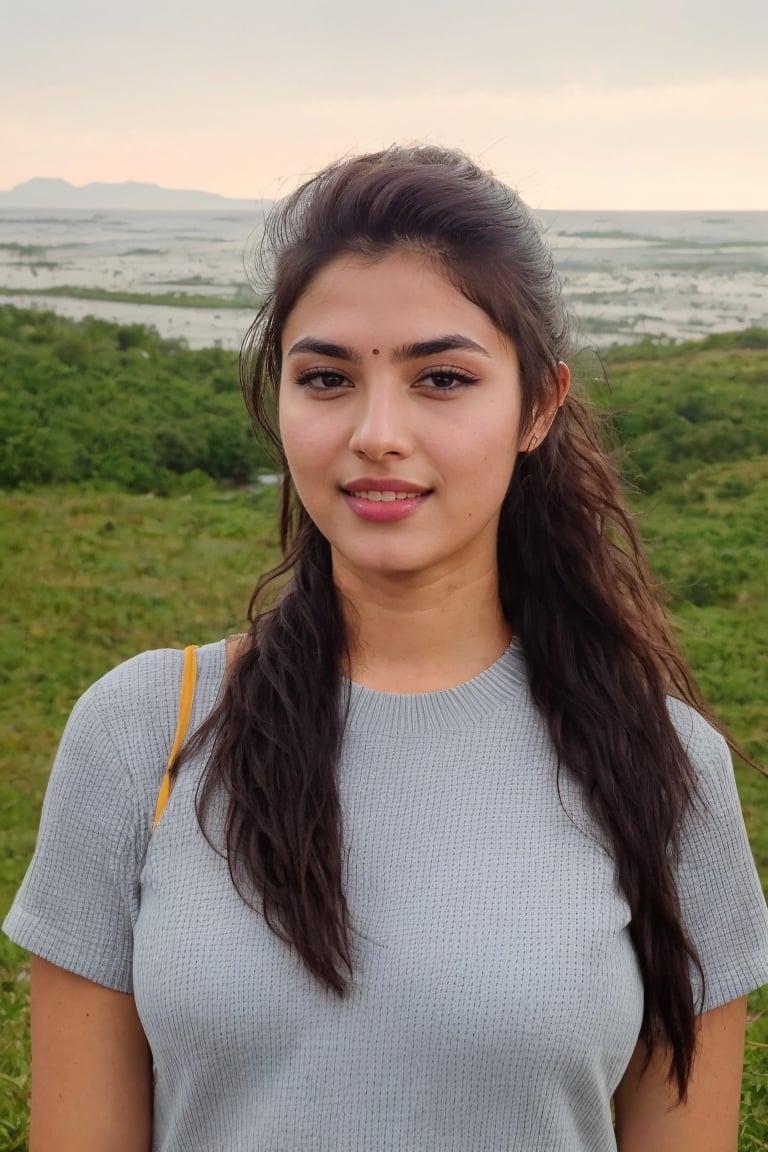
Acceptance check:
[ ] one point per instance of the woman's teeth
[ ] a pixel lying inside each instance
(386, 496)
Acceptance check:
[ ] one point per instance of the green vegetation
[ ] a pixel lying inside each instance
(96, 565)
(112, 404)
(169, 299)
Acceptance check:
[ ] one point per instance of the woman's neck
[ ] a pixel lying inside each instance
(407, 637)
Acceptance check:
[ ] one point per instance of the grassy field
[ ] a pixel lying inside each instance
(89, 579)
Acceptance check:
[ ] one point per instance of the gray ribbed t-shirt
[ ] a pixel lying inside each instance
(496, 997)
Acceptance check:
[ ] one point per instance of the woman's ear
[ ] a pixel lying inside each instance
(563, 382)
(542, 422)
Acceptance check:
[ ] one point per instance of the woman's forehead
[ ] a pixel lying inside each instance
(389, 302)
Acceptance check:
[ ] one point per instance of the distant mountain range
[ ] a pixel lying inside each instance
(44, 193)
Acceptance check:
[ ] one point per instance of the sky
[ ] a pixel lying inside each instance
(659, 104)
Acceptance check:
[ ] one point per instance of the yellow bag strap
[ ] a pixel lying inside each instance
(188, 678)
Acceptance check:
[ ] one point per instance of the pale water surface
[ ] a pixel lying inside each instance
(626, 274)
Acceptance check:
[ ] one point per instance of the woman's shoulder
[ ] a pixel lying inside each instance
(79, 900)
(138, 684)
(122, 727)
(701, 740)
(142, 693)
(710, 758)
(142, 675)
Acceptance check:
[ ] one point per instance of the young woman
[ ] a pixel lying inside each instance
(452, 860)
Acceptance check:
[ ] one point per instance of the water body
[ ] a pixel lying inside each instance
(627, 275)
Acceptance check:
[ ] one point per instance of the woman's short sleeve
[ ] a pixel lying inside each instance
(721, 898)
(79, 900)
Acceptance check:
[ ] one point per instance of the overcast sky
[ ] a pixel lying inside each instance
(654, 104)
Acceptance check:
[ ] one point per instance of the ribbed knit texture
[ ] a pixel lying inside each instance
(496, 998)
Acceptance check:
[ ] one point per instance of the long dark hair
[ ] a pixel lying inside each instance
(574, 587)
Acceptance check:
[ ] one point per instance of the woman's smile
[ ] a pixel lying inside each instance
(383, 501)
(385, 507)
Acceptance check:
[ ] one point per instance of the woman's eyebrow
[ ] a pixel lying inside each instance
(453, 342)
(324, 348)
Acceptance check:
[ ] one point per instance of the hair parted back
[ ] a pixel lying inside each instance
(574, 587)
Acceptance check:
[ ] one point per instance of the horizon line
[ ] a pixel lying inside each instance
(255, 201)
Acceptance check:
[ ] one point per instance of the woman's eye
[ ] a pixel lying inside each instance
(321, 379)
(448, 380)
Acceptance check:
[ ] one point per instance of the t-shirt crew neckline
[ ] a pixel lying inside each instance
(491, 691)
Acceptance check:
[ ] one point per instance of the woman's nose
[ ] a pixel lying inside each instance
(381, 425)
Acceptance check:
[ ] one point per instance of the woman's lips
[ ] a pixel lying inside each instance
(384, 505)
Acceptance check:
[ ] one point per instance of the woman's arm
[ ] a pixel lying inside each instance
(91, 1067)
(648, 1119)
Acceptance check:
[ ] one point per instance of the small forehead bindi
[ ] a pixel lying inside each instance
(375, 351)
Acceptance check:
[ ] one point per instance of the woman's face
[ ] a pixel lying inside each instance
(400, 411)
